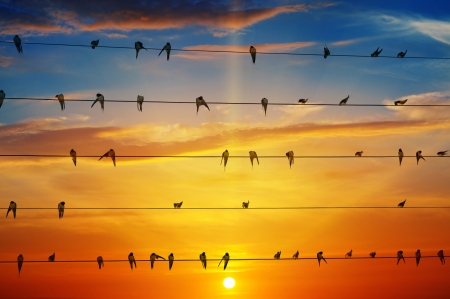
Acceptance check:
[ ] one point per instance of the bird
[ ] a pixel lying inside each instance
(419, 156)
(373, 254)
(60, 98)
(303, 101)
(225, 156)
(349, 254)
(140, 101)
(100, 98)
(94, 43)
(344, 101)
(376, 53)
(203, 260)
(245, 204)
(52, 257)
(253, 53)
(100, 262)
(320, 257)
(200, 101)
(441, 154)
(290, 156)
(400, 156)
(225, 260)
(295, 256)
(18, 43)
(111, 154)
(359, 154)
(264, 103)
(177, 205)
(154, 257)
(441, 256)
(402, 204)
(402, 54)
(167, 47)
(277, 255)
(400, 257)
(326, 52)
(2, 97)
(418, 256)
(397, 103)
(171, 258)
(73, 154)
(138, 46)
(253, 155)
(61, 209)
(132, 260)
(19, 262)
(12, 207)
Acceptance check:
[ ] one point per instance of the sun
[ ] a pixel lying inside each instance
(229, 283)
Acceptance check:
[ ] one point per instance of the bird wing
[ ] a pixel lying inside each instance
(105, 155)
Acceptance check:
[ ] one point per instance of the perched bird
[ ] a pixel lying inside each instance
(402, 54)
(419, 156)
(359, 154)
(400, 257)
(400, 156)
(167, 47)
(12, 207)
(349, 254)
(60, 98)
(52, 257)
(326, 52)
(171, 258)
(320, 257)
(201, 102)
(2, 97)
(418, 256)
(373, 254)
(253, 53)
(441, 154)
(225, 260)
(264, 103)
(396, 103)
(73, 154)
(177, 205)
(94, 43)
(303, 101)
(100, 98)
(138, 46)
(19, 262)
(376, 53)
(253, 155)
(111, 154)
(245, 204)
(277, 255)
(61, 209)
(295, 256)
(132, 260)
(290, 156)
(154, 257)
(441, 256)
(402, 204)
(100, 262)
(18, 43)
(140, 101)
(225, 156)
(344, 101)
(203, 260)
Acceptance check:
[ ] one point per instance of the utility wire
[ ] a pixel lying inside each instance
(230, 51)
(256, 208)
(215, 157)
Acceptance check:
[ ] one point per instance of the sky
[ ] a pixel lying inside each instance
(346, 27)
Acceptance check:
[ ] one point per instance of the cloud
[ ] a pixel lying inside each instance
(115, 35)
(5, 61)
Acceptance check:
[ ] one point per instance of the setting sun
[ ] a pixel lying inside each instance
(229, 283)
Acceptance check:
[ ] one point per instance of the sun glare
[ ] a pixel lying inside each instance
(229, 283)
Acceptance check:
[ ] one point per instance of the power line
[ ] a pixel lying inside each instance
(252, 208)
(231, 51)
(215, 157)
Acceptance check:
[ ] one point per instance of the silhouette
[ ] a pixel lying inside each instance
(167, 47)
(171, 258)
(138, 46)
(277, 255)
(344, 101)
(419, 156)
(418, 256)
(441, 256)
(18, 44)
(12, 207)
(245, 204)
(376, 53)
(203, 260)
(111, 153)
(326, 52)
(132, 260)
(2, 97)
(396, 103)
(373, 254)
(253, 53)
(60, 98)
(101, 99)
(177, 205)
(225, 156)
(52, 257)
(253, 156)
(443, 153)
(225, 260)
(295, 256)
(100, 262)
(154, 257)
(400, 156)
(320, 257)
(19, 262)
(303, 101)
(402, 204)
(359, 154)
(290, 156)
(264, 103)
(94, 43)
(400, 257)
(61, 209)
(402, 54)
(200, 101)
(349, 254)
(140, 101)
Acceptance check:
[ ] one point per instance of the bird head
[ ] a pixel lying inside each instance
(63, 203)
(12, 201)
(99, 94)
(168, 44)
(131, 254)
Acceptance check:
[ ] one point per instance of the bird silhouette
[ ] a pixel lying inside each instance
(225, 156)
(73, 154)
(326, 52)
(52, 257)
(295, 256)
(418, 256)
(400, 156)
(419, 156)
(400, 257)
(154, 257)
(264, 103)
(441, 256)
(203, 260)
(349, 254)
(94, 43)
(111, 153)
(402, 54)
(138, 46)
(401, 103)
(132, 260)
(344, 101)
(2, 97)
(60, 98)
(320, 257)
(167, 47)
(443, 153)
(18, 44)
(373, 254)
(61, 209)
(225, 260)
(177, 205)
(12, 207)
(277, 255)
(376, 53)
(201, 102)
(171, 258)
(402, 204)
(101, 99)
(253, 53)
(245, 204)
(253, 156)
(140, 101)
(19, 262)
(100, 262)
(290, 156)
(359, 154)
(303, 101)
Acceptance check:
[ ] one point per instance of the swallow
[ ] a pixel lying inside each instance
(171, 258)
(400, 257)
(320, 257)
(200, 101)
(12, 207)
(349, 254)
(177, 205)
(376, 53)
(111, 154)
(138, 46)
(253, 155)
(402, 54)
(60, 98)
(326, 52)
(19, 262)
(264, 103)
(359, 154)
(245, 204)
(140, 101)
(373, 254)
(94, 43)
(402, 204)
(154, 257)
(73, 154)
(100, 262)
(277, 255)
(167, 47)
(400, 156)
(52, 257)
(419, 156)
(303, 101)
(203, 260)
(18, 44)
(100, 98)
(132, 260)
(295, 256)
(253, 53)
(401, 103)
(290, 156)
(418, 256)
(225, 156)
(441, 154)
(61, 209)
(441, 256)
(344, 101)
(225, 260)
(2, 97)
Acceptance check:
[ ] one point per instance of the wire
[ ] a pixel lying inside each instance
(230, 51)
(257, 208)
(215, 157)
